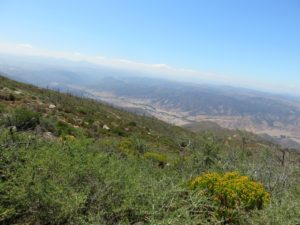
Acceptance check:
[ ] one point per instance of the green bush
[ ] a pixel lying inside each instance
(210, 150)
(75, 183)
(1, 108)
(40, 184)
(132, 123)
(140, 145)
(156, 157)
(120, 132)
(23, 119)
(285, 210)
(64, 128)
(48, 124)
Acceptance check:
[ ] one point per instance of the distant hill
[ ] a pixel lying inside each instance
(174, 102)
(228, 107)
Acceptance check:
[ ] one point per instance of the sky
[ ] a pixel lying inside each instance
(248, 43)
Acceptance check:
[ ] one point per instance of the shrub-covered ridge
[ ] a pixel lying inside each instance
(71, 160)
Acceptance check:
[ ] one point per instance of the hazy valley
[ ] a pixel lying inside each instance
(276, 117)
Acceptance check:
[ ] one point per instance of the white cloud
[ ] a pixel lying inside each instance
(77, 53)
(161, 69)
(158, 70)
(25, 45)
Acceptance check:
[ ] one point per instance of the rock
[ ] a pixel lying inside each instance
(48, 135)
(52, 106)
(96, 123)
(12, 128)
(18, 92)
(139, 223)
(106, 127)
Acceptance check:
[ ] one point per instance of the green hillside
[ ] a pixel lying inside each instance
(70, 160)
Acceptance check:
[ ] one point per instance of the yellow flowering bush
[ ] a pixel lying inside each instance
(231, 190)
(126, 147)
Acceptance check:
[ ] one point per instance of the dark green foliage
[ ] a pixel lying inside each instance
(11, 97)
(2, 108)
(132, 123)
(158, 158)
(120, 132)
(49, 124)
(23, 119)
(63, 128)
(75, 183)
(7, 97)
(140, 145)
(210, 151)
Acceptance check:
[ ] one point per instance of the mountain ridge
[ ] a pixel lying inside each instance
(179, 103)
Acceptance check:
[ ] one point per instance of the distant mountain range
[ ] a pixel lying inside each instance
(277, 117)
(182, 104)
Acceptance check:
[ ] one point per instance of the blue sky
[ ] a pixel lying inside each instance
(256, 41)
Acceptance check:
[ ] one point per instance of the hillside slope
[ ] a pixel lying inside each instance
(71, 160)
(178, 103)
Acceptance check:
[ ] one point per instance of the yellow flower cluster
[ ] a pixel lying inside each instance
(231, 190)
(126, 147)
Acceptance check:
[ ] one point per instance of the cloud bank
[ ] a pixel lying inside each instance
(26, 49)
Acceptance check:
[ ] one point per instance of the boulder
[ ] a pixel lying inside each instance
(106, 127)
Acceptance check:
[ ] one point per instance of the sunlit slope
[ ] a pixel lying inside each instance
(71, 160)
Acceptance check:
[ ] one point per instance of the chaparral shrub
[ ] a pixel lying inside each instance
(156, 157)
(24, 119)
(232, 193)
